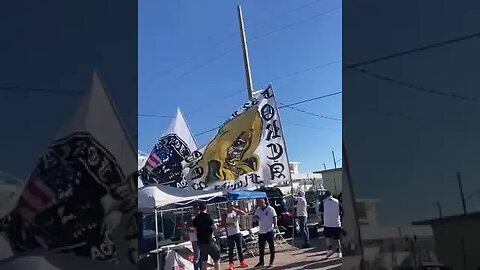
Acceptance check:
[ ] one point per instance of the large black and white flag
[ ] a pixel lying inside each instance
(81, 197)
(247, 151)
(164, 164)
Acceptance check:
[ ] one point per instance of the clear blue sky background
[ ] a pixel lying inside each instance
(190, 56)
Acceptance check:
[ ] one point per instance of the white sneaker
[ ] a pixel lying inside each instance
(329, 254)
(340, 255)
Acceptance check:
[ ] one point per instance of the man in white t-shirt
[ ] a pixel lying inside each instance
(302, 216)
(230, 221)
(267, 222)
(332, 211)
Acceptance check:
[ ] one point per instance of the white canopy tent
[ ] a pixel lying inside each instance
(153, 197)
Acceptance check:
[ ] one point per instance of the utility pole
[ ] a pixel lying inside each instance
(439, 206)
(248, 76)
(324, 166)
(246, 60)
(462, 195)
(334, 160)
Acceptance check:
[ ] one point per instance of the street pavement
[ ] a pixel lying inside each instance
(295, 258)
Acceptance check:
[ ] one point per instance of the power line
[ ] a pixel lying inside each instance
(39, 90)
(310, 113)
(425, 119)
(284, 122)
(294, 24)
(155, 115)
(415, 50)
(277, 79)
(171, 117)
(209, 61)
(290, 107)
(218, 101)
(413, 86)
(309, 126)
(309, 100)
(303, 71)
(206, 131)
(217, 57)
(282, 14)
(228, 37)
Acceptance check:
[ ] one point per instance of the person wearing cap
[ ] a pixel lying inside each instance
(332, 212)
(302, 216)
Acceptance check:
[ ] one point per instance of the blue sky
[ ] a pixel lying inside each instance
(190, 56)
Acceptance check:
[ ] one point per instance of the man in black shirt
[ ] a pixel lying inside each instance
(204, 225)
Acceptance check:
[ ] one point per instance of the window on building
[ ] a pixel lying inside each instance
(361, 210)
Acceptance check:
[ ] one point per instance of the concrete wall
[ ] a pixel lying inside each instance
(448, 244)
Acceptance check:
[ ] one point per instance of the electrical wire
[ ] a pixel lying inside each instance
(309, 100)
(155, 115)
(309, 126)
(413, 86)
(414, 50)
(39, 90)
(310, 113)
(424, 119)
(218, 101)
(227, 38)
(294, 24)
(231, 49)
(303, 71)
(290, 107)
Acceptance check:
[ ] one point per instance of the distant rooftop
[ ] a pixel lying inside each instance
(329, 170)
(449, 219)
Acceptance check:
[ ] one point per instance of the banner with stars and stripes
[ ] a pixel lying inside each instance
(81, 198)
(164, 164)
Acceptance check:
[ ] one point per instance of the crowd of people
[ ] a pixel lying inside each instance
(202, 227)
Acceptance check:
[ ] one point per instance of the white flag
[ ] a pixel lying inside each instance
(81, 197)
(165, 162)
(248, 150)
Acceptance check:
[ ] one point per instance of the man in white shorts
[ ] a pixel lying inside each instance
(332, 212)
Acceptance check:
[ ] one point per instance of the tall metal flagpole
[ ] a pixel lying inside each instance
(248, 76)
(246, 61)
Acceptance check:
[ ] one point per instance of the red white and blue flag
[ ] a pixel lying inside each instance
(81, 197)
(165, 163)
